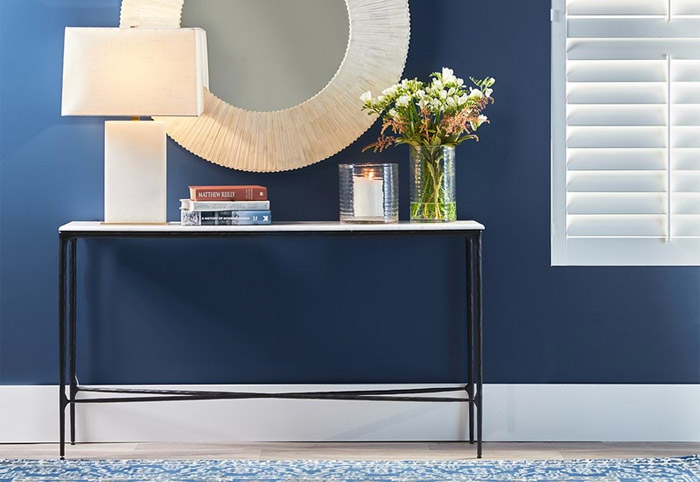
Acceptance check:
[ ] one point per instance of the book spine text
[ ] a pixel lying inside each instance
(189, 205)
(224, 218)
(234, 193)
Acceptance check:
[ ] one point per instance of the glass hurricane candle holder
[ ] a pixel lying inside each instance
(369, 193)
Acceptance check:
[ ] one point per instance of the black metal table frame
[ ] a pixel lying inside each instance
(67, 306)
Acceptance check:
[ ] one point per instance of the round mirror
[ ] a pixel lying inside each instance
(269, 55)
(285, 76)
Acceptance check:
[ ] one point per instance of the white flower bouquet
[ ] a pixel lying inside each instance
(443, 112)
(432, 119)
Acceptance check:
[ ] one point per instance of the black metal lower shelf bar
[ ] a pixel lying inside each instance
(156, 395)
(249, 396)
(165, 391)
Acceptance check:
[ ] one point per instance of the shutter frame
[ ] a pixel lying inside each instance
(625, 151)
(558, 133)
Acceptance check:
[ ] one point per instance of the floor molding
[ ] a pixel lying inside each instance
(547, 412)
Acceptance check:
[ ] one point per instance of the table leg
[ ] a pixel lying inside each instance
(478, 348)
(72, 315)
(470, 335)
(62, 346)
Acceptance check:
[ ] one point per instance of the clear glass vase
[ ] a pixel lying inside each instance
(433, 193)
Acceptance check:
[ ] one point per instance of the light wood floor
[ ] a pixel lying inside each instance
(354, 451)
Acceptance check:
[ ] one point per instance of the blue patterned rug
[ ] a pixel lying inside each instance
(680, 469)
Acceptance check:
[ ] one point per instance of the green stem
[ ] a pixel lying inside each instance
(431, 192)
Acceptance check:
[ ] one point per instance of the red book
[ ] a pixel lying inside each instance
(228, 193)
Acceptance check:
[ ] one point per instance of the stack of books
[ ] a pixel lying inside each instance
(225, 206)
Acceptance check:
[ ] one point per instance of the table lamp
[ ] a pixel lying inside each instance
(131, 73)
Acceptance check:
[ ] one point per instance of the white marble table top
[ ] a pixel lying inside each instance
(303, 227)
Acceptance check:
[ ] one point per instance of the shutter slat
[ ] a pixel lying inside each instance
(685, 115)
(685, 136)
(686, 225)
(617, 71)
(632, 71)
(616, 115)
(632, 7)
(616, 181)
(616, 159)
(631, 159)
(685, 71)
(637, 49)
(646, 28)
(616, 93)
(632, 203)
(686, 158)
(616, 203)
(685, 181)
(685, 93)
(617, 137)
(685, 203)
(632, 115)
(616, 225)
(616, 7)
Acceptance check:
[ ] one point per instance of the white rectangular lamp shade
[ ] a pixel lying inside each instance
(134, 72)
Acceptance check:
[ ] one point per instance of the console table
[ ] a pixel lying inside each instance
(470, 393)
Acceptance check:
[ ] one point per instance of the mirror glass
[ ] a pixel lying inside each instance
(267, 55)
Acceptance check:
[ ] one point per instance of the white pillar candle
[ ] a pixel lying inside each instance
(368, 197)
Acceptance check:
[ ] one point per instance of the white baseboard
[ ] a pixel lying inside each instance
(512, 413)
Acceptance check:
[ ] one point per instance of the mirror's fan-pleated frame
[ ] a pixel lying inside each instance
(311, 131)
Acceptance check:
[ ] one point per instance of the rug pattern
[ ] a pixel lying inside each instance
(678, 469)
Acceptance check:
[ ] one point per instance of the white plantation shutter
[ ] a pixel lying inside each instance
(626, 132)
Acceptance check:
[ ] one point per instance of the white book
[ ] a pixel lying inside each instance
(189, 205)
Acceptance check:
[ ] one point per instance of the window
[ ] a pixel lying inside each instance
(625, 132)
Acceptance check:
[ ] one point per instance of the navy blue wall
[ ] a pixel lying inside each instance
(317, 310)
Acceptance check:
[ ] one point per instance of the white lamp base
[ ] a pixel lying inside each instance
(135, 172)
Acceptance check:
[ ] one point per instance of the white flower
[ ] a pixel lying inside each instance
(451, 91)
(476, 124)
(463, 99)
(475, 94)
(443, 95)
(403, 100)
(451, 102)
(393, 113)
(366, 97)
(391, 90)
(381, 98)
(460, 82)
(448, 75)
(488, 92)
(437, 85)
(420, 94)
